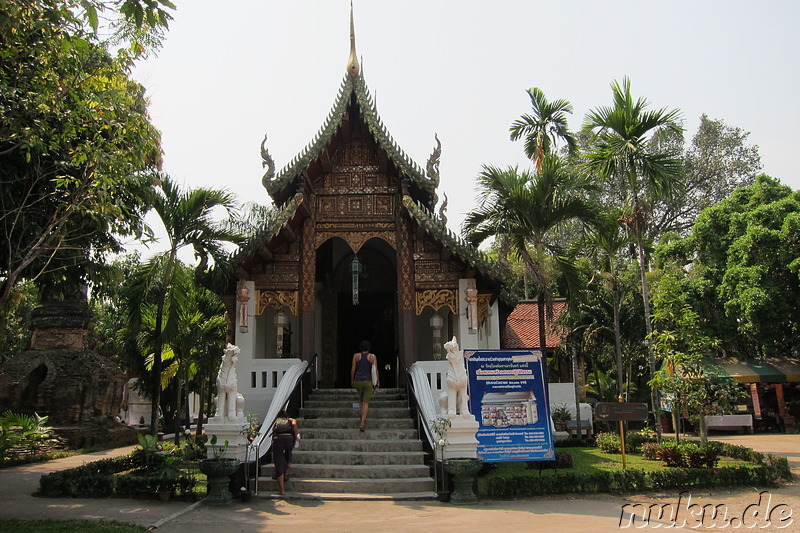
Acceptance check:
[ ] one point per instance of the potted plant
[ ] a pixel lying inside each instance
(218, 470)
(560, 417)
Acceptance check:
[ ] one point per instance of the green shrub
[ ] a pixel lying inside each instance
(631, 479)
(563, 460)
(608, 442)
(120, 477)
(689, 454)
(650, 450)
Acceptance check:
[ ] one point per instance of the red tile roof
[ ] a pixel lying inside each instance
(522, 327)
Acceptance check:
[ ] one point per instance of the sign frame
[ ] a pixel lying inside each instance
(509, 398)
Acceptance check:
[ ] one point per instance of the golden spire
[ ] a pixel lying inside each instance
(352, 61)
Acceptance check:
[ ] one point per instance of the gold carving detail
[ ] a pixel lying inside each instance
(277, 300)
(437, 299)
(483, 307)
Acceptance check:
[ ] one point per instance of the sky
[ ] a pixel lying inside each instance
(231, 72)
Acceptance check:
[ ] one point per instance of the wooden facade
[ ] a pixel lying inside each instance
(353, 193)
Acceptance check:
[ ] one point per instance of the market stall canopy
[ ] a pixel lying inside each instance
(767, 370)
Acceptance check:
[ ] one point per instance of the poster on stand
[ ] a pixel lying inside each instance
(508, 397)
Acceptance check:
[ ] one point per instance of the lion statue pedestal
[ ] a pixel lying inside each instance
(229, 421)
(460, 436)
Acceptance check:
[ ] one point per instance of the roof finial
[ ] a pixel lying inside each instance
(352, 61)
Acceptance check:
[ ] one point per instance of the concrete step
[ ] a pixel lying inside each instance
(325, 393)
(301, 472)
(353, 422)
(306, 457)
(372, 434)
(349, 412)
(361, 445)
(346, 496)
(350, 485)
(348, 403)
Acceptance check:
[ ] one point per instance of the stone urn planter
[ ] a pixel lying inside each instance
(463, 472)
(218, 472)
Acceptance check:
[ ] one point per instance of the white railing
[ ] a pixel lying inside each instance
(280, 399)
(429, 382)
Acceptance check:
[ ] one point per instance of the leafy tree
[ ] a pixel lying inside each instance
(187, 219)
(622, 150)
(717, 161)
(744, 280)
(74, 134)
(15, 320)
(683, 343)
(529, 210)
(543, 127)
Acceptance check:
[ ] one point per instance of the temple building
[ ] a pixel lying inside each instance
(356, 252)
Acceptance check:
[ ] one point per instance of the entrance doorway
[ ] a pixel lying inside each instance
(373, 318)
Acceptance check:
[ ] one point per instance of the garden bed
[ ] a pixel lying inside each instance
(594, 470)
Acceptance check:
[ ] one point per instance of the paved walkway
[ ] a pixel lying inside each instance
(578, 513)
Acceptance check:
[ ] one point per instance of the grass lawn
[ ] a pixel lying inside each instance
(68, 526)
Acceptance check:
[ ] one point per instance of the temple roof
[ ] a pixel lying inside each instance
(522, 326)
(351, 87)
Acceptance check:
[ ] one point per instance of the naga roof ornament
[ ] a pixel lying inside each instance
(432, 168)
(267, 161)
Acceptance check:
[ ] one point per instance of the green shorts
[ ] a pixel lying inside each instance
(364, 390)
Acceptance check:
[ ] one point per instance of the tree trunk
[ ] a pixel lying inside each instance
(577, 390)
(648, 326)
(201, 407)
(617, 339)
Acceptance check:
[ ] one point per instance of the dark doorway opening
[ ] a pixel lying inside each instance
(373, 319)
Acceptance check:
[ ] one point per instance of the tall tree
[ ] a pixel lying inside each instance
(187, 217)
(622, 149)
(605, 244)
(543, 127)
(74, 134)
(744, 280)
(529, 210)
(717, 161)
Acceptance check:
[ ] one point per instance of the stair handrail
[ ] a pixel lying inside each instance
(423, 395)
(283, 393)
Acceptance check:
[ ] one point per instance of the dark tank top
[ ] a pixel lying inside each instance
(363, 368)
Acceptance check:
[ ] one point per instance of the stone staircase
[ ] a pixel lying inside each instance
(337, 461)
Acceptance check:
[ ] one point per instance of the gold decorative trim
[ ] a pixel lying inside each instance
(483, 307)
(355, 239)
(436, 299)
(277, 300)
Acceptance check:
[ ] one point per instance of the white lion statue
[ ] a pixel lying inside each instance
(227, 387)
(456, 380)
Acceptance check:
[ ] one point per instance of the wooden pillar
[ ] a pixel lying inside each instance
(308, 269)
(756, 401)
(406, 317)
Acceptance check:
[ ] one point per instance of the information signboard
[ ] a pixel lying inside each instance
(620, 411)
(508, 396)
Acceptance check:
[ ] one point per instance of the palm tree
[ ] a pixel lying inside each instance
(622, 150)
(544, 126)
(187, 220)
(529, 211)
(605, 243)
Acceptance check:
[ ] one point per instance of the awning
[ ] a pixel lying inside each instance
(772, 370)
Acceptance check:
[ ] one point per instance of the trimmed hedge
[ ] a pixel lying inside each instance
(520, 486)
(768, 471)
(99, 480)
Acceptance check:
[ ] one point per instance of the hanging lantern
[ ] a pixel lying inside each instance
(355, 270)
(436, 324)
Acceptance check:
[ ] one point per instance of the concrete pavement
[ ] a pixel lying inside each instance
(584, 513)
